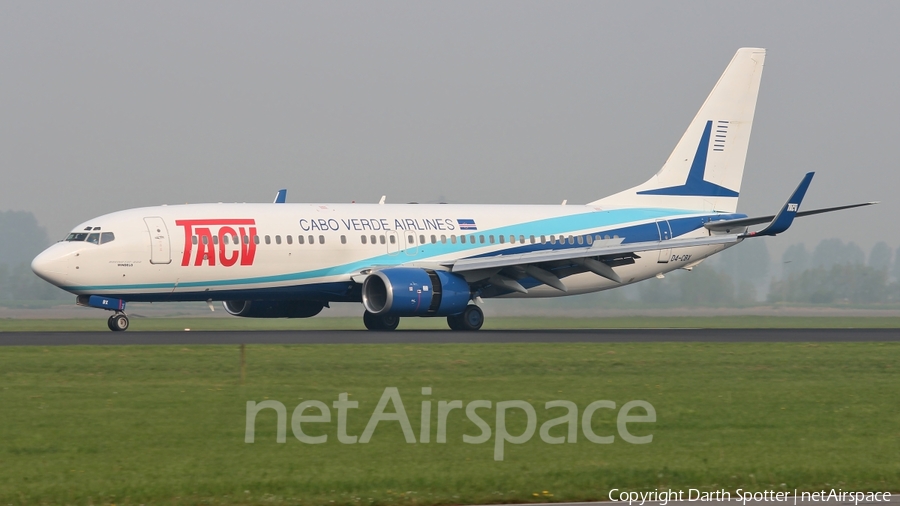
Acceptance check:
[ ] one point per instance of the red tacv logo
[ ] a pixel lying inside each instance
(207, 249)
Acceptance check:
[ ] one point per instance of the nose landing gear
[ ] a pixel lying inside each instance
(118, 322)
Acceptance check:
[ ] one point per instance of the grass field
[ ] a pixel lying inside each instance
(151, 425)
(201, 323)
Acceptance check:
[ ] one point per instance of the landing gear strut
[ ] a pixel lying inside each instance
(470, 319)
(118, 322)
(380, 322)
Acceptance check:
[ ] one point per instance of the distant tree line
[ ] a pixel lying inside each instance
(837, 272)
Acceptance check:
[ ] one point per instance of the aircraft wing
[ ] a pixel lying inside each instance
(780, 222)
(588, 257)
(726, 225)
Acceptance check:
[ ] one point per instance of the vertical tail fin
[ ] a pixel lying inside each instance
(704, 171)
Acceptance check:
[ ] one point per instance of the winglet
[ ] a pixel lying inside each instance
(281, 196)
(785, 217)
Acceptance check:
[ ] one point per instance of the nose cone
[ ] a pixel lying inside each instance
(51, 265)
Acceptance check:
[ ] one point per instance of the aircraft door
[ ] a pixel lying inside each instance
(409, 240)
(665, 233)
(160, 250)
(393, 243)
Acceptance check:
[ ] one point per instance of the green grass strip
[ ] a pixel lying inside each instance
(152, 425)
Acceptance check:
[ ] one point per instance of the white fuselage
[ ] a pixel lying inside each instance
(318, 251)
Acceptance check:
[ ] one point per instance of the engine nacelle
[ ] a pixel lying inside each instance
(410, 291)
(272, 308)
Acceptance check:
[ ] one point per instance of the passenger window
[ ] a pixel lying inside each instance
(321, 239)
(277, 239)
(452, 239)
(580, 239)
(502, 239)
(205, 239)
(433, 239)
(312, 240)
(421, 239)
(225, 239)
(491, 237)
(532, 239)
(215, 239)
(590, 239)
(362, 239)
(393, 239)
(543, 239)
(256, 239)
(106, 237)
(481, 239)
(443, 239)
(462, 239)
(194, 239)
(300, 239)
(268, 240)
(571, 240)
(411, 239)
(373, 239)
(552, 239)
(606, 236)
(381, 239)
(290, 239)
(246, 239)
(93, 238)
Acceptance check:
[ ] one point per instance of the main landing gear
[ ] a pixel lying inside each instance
(380, 322)
(118, 322)
(472, 318)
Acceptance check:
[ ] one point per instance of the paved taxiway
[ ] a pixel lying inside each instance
(443, 337)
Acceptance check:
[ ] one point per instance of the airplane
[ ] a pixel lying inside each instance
(282, 260)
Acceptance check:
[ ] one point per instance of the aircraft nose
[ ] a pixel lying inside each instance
(51, 266)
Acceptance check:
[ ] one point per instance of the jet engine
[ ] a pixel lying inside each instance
(409, 291)
(273, 308)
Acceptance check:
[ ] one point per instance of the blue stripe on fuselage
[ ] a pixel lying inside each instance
(600, 222)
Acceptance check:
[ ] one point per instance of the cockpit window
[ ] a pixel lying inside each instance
(93, 238)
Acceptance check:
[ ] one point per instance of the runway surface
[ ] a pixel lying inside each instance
(445, 337)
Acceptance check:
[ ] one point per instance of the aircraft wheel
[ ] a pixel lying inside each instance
(118, 322)
(380, 322)
(390, 322)
(455, 321)
(472, 318)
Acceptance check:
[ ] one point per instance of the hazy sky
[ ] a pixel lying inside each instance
(111, 105)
